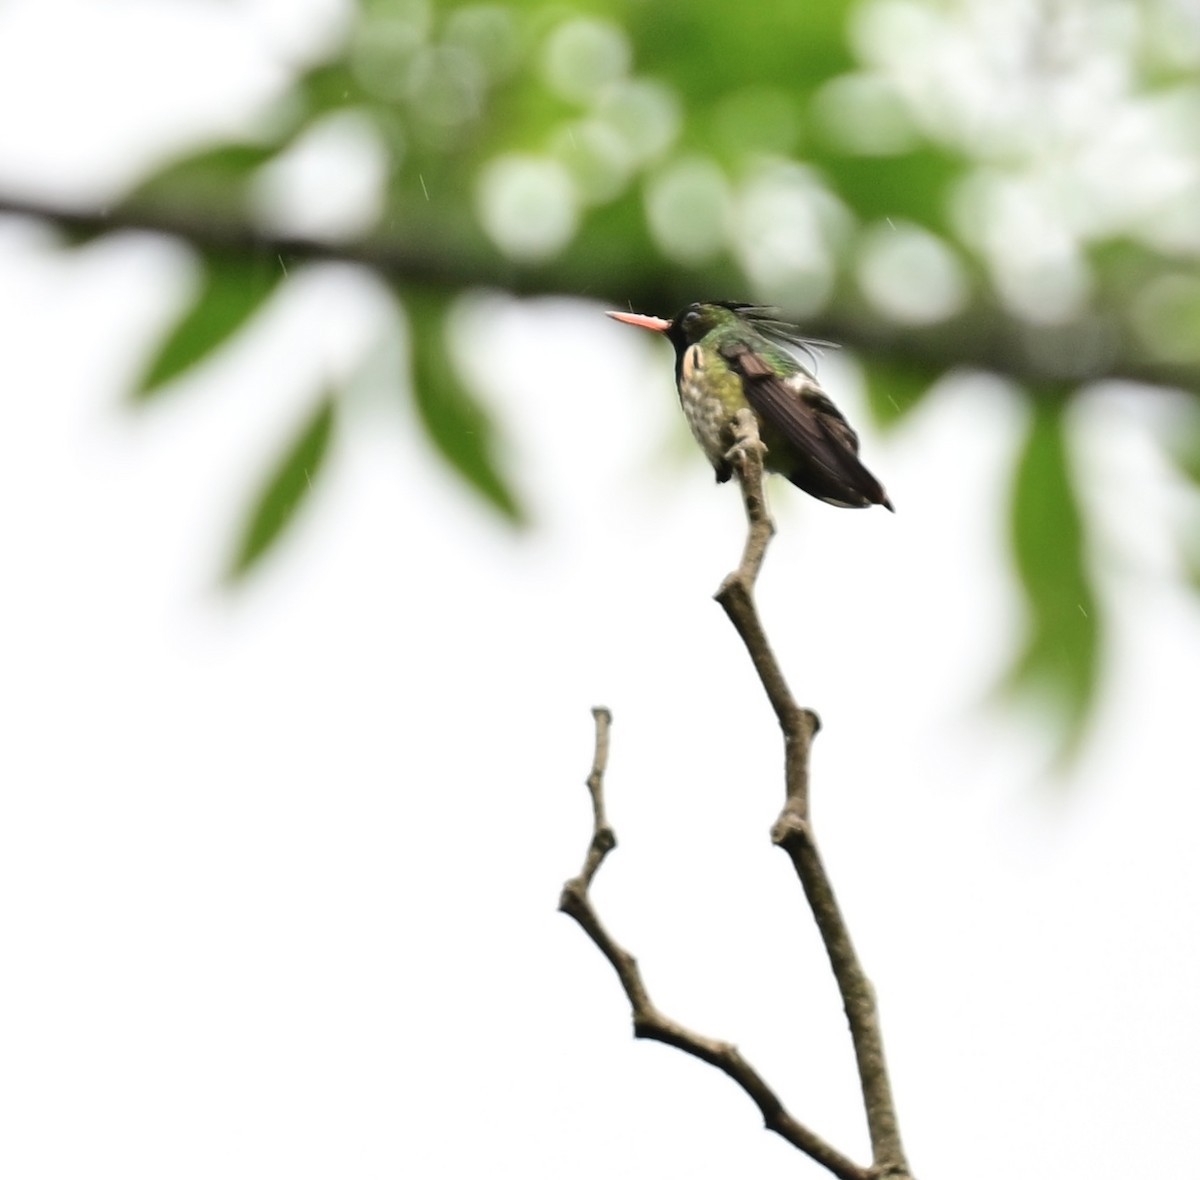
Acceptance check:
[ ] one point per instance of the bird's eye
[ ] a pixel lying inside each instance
(691, 319)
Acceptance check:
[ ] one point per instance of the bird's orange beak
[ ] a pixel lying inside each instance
(641, 321)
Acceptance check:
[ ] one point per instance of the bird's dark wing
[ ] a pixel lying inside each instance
(827, 464)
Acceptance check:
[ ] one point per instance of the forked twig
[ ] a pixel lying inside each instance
(652, 1024)
(792, 831)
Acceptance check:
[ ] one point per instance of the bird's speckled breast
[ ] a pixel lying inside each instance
(711, 395)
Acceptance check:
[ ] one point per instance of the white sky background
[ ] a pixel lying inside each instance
(278, 871)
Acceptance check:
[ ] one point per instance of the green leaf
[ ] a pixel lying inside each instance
(1059, 664)
(459, 428)
(333, 85)
(914, 185)
(282, 493)
(1183, 447)
(894, 389)
(1189, 552)
(232, 289)
(213, 179)
(709, 49)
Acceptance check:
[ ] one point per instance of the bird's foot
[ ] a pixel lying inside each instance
(747, 442)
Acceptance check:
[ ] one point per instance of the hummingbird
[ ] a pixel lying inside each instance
(730, 356)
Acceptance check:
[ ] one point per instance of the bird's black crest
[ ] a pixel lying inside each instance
(770, 322)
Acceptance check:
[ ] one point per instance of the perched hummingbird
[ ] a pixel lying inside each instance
(731, 355)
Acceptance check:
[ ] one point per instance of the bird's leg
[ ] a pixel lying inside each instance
(745, 437)
(746, 458)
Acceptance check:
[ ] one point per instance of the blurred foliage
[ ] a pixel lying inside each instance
(1058, 663)
(455, 423)
(286, 487)
(230, 291)
(934, 185)
(893, 389)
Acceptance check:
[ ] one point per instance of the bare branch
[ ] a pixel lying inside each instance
(604, 839)
(648, 1021)
(793, 830)
(794, 835)
(747, 455)
(736, 594)
(984, 335)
